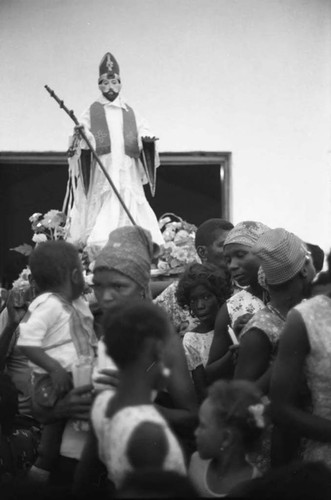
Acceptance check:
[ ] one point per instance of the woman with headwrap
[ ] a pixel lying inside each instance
(121, 274)
(288, 272)
(244, 266)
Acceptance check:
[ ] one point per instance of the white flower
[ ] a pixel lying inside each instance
(169, 233)
(39, 237)
(163, 222)
(35, 217)
(53, 219)
(163, 266)
(257, 411)
(23, 279)
(181, 236)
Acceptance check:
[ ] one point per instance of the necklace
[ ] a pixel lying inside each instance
(275, 311)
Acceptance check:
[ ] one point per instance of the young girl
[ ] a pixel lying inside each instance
(202, 289)
(131, 433)
(231, 422)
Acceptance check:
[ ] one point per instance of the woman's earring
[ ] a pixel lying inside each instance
(166, 372)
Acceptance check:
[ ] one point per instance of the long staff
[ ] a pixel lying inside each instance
(81, 131)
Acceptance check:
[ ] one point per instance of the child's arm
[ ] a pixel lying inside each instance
(60, 377)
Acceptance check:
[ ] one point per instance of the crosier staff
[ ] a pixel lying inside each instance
(81, 131)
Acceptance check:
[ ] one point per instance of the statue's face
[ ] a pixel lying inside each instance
(110, 85)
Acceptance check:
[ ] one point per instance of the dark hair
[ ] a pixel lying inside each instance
(217, 279)
(127, 328)
(51, 262)
(323, 278)
(231, 401)
(205, 234)
(317, 255)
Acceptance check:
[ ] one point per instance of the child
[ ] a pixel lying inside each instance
(132, 435)
(202, 289)
(231, 421)
(55, 333)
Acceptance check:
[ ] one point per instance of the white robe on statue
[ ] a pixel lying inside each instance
(93, 216)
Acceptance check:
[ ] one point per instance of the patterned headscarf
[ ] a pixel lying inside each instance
(246, 233)
(130, 251)
(282, 255)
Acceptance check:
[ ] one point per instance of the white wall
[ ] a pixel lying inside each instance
(248, 76)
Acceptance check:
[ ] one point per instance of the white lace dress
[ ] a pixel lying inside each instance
(316, 314)
(113, 435)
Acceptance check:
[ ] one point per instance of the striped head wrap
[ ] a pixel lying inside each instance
(282, 255)
(130, 251)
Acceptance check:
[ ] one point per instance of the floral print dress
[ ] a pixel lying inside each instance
(243, 302)
(316, 315)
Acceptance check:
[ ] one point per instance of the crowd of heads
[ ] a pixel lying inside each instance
(234, 413)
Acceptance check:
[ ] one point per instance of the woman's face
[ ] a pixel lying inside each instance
(242, 263)
(112, 287)
(208, 435)
(204, 305)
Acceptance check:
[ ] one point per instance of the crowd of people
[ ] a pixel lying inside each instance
(218, 385)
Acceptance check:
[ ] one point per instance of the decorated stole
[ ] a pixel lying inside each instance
(99, 129)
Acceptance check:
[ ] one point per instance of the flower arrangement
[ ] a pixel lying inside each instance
(178, 249)
(22, 292)
(50, 226)
(23, 280)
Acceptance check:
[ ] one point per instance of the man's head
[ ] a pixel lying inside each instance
(109, 77)
(209, 240)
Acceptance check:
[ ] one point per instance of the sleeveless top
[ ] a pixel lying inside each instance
(316, 315)
(270, 323)
(113, 435)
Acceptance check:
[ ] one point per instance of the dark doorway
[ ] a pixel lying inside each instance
(195, 186)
